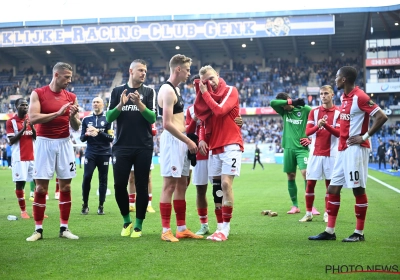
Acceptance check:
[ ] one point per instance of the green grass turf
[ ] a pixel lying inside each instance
(259, 247)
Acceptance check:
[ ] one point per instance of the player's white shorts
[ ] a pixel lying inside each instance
(319, 167)
(351, 168)
(227, 163)
(151, 167)
(22, 171)
(54, 155)
(174, 161)
(200, 173)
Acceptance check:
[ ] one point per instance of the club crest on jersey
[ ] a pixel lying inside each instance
(298, 114)
(114, 160)
(325, 117)
(86, 160)
(141, 96)
(102, 123)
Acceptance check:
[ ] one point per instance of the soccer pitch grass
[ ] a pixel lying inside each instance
(259, 247)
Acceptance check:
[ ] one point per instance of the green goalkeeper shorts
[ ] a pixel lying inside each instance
(293, 158)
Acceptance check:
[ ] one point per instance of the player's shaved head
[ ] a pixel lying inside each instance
(136, 61)
(98, 99)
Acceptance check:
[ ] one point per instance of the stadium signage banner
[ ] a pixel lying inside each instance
(189, 30)
(371, 62)
(383, 87)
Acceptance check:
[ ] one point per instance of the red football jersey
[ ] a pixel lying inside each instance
(324, 142)
(51, 102)
(224, 130)
(23, 150)
(354, 116)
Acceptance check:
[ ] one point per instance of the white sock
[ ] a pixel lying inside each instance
(164, 230)
(226, 227)
(219, 226)
(181, 228)
(359, 231)
(132, 204)
(330, 230)
(38, 227)
(308, 213)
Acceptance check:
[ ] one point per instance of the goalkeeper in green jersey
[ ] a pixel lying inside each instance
(294, 141)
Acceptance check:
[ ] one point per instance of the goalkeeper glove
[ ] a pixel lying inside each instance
(305, 142)
(296, 102)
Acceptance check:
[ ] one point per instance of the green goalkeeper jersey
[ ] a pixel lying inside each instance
(294, 123)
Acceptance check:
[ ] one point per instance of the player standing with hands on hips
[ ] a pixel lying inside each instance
(351, 165)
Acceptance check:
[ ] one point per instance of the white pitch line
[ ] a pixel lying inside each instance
(383, 183)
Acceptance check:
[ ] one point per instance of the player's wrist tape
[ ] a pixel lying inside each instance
(289, 101)
(365, 136)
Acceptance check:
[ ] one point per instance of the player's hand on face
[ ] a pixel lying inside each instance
(192, 147)
(203, 87)
(203, 148)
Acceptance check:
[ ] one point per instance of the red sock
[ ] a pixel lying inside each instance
(333, 209)
(361, 210)
(227, 213)
(21, 199)
(39, 206)
(180, 212)
(57, 185)
(64, 205)
(202, 212)
(218, 215)
(165, 211)
(310, 194)
(327, 183)
(132, 198)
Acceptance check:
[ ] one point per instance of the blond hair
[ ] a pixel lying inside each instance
(328, 88)
(203, 70)
(179, 60)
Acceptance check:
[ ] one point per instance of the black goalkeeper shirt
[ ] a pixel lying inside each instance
(133, 130)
